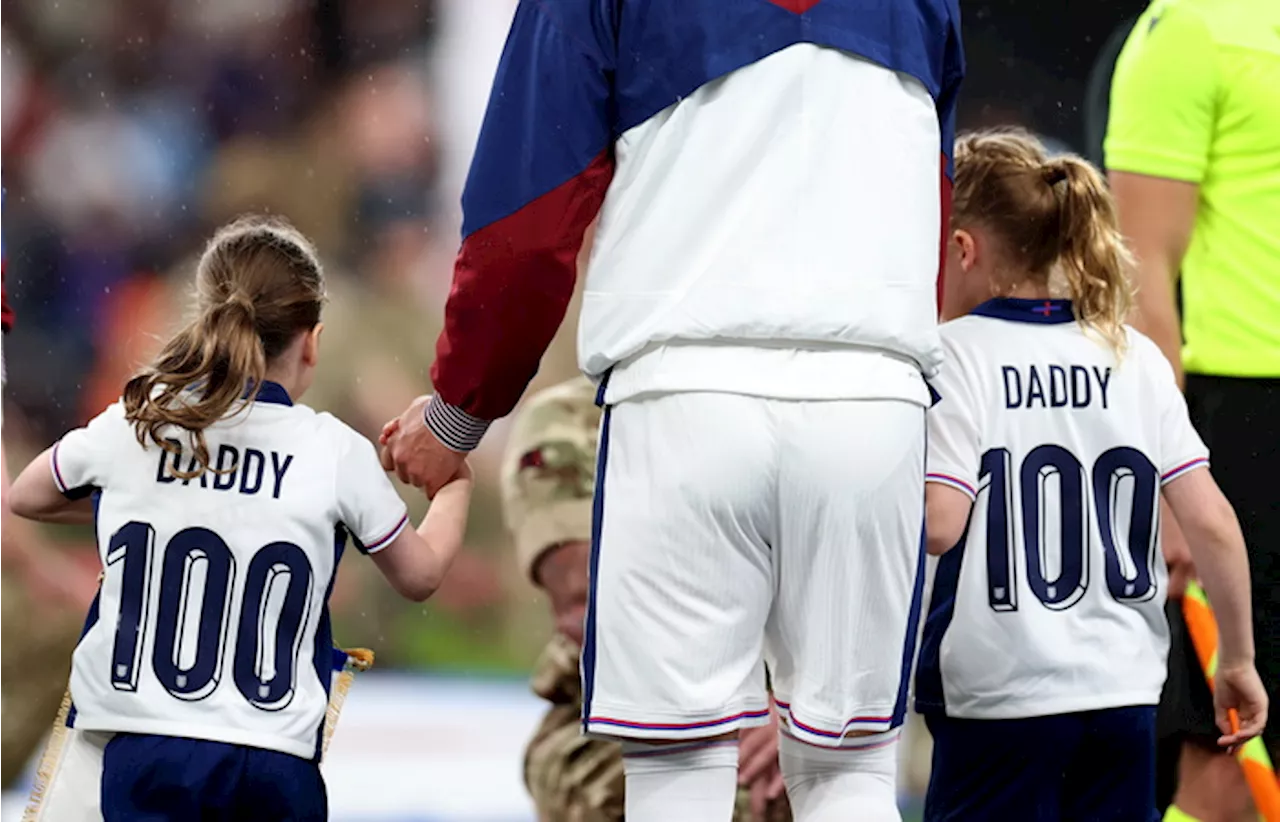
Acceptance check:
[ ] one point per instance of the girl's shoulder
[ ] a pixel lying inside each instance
(341, 436)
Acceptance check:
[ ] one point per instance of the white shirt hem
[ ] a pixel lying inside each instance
(784, 373)
(1000, 706)
(211, 733)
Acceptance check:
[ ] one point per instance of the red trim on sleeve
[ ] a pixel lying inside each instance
(6, 313)
(512, 283)
(1174, 473)
(945, 187)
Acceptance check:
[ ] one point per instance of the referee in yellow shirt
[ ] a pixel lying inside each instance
(1193, 150)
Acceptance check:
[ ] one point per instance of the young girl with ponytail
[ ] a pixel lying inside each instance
(222, 508)
(1057, 431)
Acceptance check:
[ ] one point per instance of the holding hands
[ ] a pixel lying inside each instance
(418, 458)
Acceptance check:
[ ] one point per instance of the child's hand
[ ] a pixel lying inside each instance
(388, 431)
(459, 484)
(1239, 691)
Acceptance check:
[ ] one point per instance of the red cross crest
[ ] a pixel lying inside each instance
(796, 6)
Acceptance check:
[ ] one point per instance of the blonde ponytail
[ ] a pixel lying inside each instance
(1092, 254)
(258, 285)
(1053, 216)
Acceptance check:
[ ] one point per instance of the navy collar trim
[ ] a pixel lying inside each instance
(272, 392)
(1043, 312)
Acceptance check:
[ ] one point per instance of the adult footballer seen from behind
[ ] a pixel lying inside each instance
(548, 484)
(760, 314)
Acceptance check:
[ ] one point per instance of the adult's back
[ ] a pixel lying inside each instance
(759, 311)
(769, 171)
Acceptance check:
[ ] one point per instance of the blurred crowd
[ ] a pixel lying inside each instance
(132, 128)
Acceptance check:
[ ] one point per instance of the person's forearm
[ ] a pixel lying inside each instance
(1177, 555)
(1223, 567)
(34, 495)
(512, 284)
(1157, 217)
(444, 528)
(1157, 311)
(501, 317)
(76, 512)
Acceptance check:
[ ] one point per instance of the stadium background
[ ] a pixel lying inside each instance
(132, 127)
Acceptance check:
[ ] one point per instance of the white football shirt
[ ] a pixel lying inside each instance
(212, 620)
(1054, 600)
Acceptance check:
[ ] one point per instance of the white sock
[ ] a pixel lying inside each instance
(838, 784)
(694, 781)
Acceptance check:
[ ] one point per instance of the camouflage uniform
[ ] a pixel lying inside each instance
(36, 662)
(547, 484)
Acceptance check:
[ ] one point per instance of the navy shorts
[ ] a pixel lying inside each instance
(172, 779)
(1091, 766)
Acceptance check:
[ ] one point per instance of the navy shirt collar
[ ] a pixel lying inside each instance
(273, 392)
(1044, 312)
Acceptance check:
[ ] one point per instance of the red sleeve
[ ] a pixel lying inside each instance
(512, 283)
(542, 165)
(6, 313)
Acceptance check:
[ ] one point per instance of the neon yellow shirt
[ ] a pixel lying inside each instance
(1196, 97)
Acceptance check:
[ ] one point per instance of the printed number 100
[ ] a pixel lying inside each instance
(1020, 500)
(267, 688)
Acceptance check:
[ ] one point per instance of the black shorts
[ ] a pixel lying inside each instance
(1239, 420)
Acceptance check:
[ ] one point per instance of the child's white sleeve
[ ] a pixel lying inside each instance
(81, 460)
(370, 508)
(954, 426)
(1181, 449)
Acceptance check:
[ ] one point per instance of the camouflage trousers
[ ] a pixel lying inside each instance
(34, 665)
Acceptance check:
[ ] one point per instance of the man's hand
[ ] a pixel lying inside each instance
(1239, 688)
(413, 452)
(758, 764)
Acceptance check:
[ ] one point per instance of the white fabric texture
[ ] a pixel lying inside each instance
(795, 201)
(691, 782)
(835, 785)
(737, 530)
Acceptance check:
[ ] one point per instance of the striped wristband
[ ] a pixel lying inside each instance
(455, 428)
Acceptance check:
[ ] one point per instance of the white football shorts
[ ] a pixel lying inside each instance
(733, 531)
(69, 780)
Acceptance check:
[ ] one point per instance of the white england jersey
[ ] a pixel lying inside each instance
(212, 621)
(1053, 602)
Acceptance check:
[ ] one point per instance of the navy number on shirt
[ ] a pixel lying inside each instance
(271, 688)
(192, 553)
(1027, 504)
(1128, 581)
(190, 633)
(131, 545)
